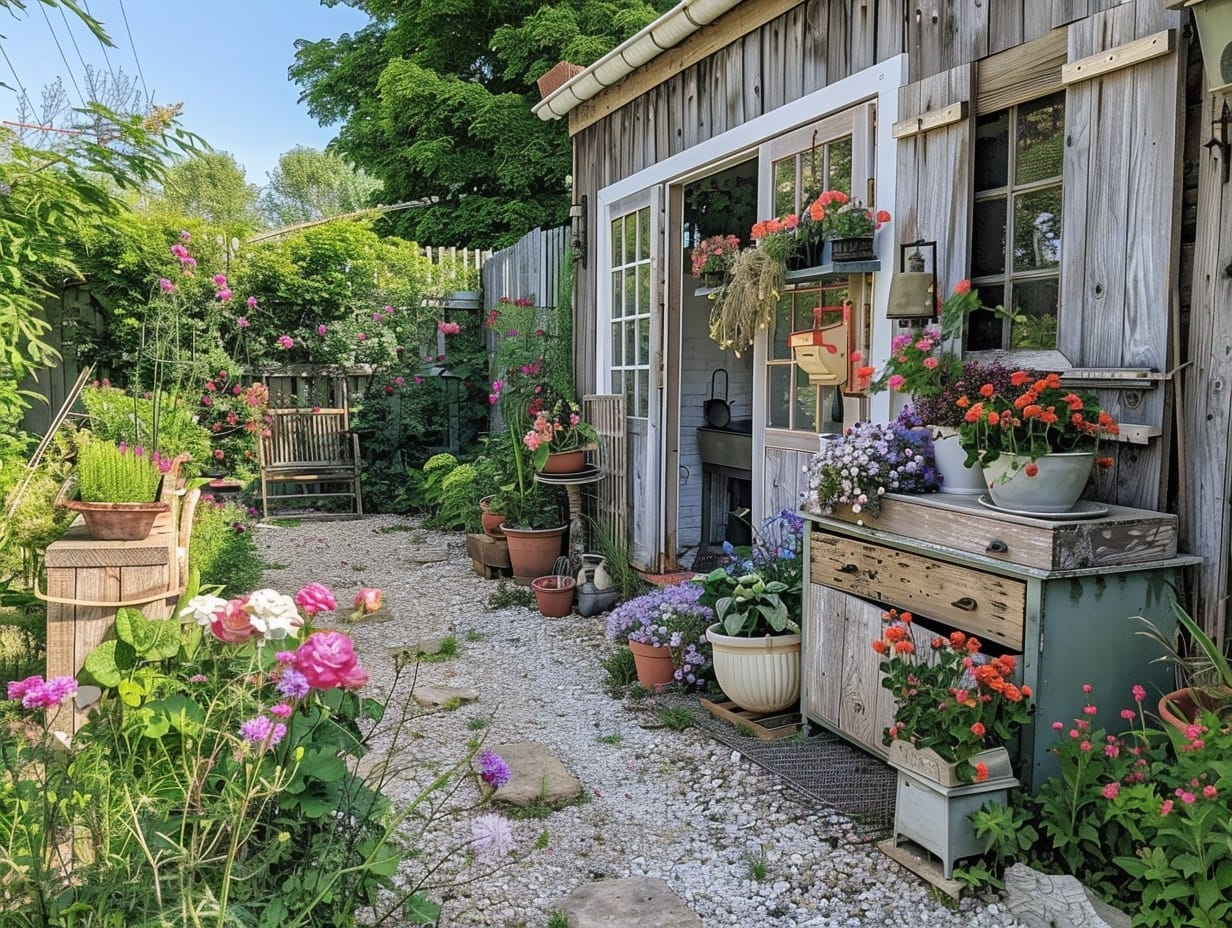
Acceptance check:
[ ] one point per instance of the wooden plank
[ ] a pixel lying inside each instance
(926, 122)
(1004, 25)
(924, 865)
(792, 62)
(1123, 56)
(816, 33)
(822, 625)
(754, 102)
(740, 21)
(860, 686)
(984, 604)
(1066, 11)
(891, 27)
(1124, 536)
(772, 77)
(1021, 73)
(768, 726)
(838, 51)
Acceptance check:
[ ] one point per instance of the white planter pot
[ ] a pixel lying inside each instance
(757, 674)
(1055, 487)
(936, 816)
(956, 476)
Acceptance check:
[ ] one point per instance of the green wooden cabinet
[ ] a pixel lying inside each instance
(957, 566)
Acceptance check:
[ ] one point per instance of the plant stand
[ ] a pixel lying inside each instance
(573, 484)
(937, 816)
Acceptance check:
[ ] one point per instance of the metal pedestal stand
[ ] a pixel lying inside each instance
(573, 484)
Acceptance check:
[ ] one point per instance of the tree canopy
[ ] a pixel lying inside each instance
(213, 187)
(309, 184)
(434, 99)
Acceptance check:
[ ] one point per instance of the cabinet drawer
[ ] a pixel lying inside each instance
(983, 604)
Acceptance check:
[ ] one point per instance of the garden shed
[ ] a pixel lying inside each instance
(1057, 155)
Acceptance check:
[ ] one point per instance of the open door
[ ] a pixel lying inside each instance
(630, 351)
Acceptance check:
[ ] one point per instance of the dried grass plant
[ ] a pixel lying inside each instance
(746, 305)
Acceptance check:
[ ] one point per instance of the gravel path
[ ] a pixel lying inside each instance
(675, 805)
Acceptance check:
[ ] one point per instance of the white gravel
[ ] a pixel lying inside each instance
(656, 802)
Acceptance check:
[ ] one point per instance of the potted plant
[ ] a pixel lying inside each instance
(1035, 429)
(711, 259)
(558, 438)
(554, 594)
(747, 303)
(757, 603)
(534, 524)
(955, 713)
(866, 461)
(665, 629)
(1205, 669)
(848, 225)
(117, 488)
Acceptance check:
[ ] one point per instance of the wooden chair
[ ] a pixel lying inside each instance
(310, 455)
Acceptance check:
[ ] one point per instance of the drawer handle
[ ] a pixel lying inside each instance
(966, 604)
(997, 546)
(849, 569)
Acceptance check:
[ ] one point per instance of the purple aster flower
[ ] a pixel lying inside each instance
(293, 684)
(492, 769)
(256, 729)
(492, 835)
(198, 678)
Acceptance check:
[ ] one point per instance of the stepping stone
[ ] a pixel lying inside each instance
(534, 776)
(434, 697)
(634, 902)
(426, 555)
(1040, 900)
(427, 647)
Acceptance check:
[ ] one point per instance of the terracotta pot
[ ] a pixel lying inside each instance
(554, 594)
(655, 666)
(757, 674)
(491, 521)
(1181, 708)
(532, 551)
(118, 521)
(565, 462)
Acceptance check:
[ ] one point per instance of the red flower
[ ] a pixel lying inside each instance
(981, 772)
(977, 729)
(1031, 469)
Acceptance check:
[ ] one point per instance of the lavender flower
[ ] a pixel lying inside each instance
(261, 730)
(37, 693)
(293, 684)
(867, 461)
(492, 769)
(650, 609)
(492, 835)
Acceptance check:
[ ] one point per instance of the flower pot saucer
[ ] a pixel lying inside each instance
(1083, 509)
(588, 474)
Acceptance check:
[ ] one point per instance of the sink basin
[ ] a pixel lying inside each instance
(725, 448)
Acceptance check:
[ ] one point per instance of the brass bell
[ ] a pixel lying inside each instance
(913, 291)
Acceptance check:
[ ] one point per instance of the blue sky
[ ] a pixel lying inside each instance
(226, 60)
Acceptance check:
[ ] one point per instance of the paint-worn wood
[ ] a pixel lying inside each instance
(309, 454)
(816, 30)
(1004, 25)
(860, 685)
(732, 26)
(691, 122)
(1124, 536)
(984, 604)
(936, 119)
(1207, 414)
(1021, 73)
(773, 41)
(821, 633)
(1064, 11)
(606, 413)
(1123, 56)
(792, 61)
(644, 534)
(754, 104)
(838, 51)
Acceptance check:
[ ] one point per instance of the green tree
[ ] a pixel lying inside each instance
(213, 187)
(434, 99)
(309, 184)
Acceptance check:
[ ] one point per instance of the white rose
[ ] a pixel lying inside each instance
(202, 609)
(274, 614)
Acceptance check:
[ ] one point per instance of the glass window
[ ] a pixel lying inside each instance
(630, 344)
(799, 178)
(1016, 251)
(793, 402)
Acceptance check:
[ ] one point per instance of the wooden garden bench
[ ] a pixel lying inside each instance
(310, 455)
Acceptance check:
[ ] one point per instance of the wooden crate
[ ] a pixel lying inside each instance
(1123, 536)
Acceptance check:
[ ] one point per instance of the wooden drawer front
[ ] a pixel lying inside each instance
(979, 603)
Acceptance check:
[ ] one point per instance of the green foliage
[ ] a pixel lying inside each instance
(757, 865)
(434, 100)
(167, 427)
(620, 669)
(309, 184)
(212, 186)
(677, 718)
(507, 595)
(36, 521)
(222, 549)
(107, 473)
(747, 605)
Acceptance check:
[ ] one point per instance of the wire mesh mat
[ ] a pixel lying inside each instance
(823, 767)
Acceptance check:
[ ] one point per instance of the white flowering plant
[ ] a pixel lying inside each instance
(867, 461)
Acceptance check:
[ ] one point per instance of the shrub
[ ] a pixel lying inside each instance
(222, 549)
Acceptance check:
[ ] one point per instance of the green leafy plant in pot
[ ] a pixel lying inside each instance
(117, 486)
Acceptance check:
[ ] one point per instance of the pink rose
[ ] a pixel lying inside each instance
(327, 660)
(368, 599)
(316, 598)
(895, 381)
(232, 623)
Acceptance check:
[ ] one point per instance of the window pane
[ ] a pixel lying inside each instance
(780, 329)
(1037, 229)
(617, 246)
(618, 300)
(840, 165)
(643, 340)
(643, 289)
(643, 393)
(784, 188)
(1041, 139)
(617, 382)
(630, 333)
(630, 252)
(988, 243)
(617, 343)
(778, 411)
(1037, 301)
(983, 328)
(806, 401)
(992, 150)
(643, 234)
(630, 291)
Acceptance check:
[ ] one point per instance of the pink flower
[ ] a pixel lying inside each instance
(930, 362)
(37, 693)
(185, 237)
(282, 710)
(1057, 726)
(316, 598)
(220, 280)
(1086, 687)
(327, 660)
(252, 302)
(243, 322)
(1127, 714)
(224, 295)
(232, 623)
(1112, 790)
(1089, 710)
(321, 330)
(1209, 792)
(362, 336)
(1166, 807)
(1084, 746)
(1139, 692)
(286, 341)
(895, 381)
(399, 381)
(449, 328)
(1186, 796)
(165, 285)
(368, 599)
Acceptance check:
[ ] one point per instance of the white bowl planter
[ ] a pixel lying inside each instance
(757, 674)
